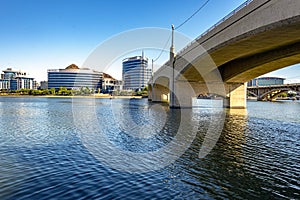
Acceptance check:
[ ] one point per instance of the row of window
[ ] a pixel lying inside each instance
(73, 80)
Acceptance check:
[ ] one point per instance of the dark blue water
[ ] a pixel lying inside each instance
(45, 155)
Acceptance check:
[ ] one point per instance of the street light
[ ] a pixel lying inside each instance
(172, 59)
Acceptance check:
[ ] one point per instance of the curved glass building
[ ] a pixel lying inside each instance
(74, 77)
(135, 72)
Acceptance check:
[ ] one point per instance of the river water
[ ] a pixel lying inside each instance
(63, 148)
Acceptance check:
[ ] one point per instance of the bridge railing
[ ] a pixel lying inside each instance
(218, 23)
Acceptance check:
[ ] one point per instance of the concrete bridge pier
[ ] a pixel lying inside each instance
(150, 90)
(183, 93)
(235, 95)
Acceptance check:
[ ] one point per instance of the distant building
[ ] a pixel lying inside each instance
(44, 85)
(148, 74)
(136, 73)
(266, 81)
(110, 84)
(16, 80)
(74, 77)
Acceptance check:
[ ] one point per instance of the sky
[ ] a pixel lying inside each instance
(36, 35)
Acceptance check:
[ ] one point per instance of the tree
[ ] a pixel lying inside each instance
(85, 91)
(62, 91)
(145, 88)
(52, 91)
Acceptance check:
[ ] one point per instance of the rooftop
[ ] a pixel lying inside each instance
(72, 66)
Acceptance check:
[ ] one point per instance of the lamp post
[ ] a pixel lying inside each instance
(172, 62)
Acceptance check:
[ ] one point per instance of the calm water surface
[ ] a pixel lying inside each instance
(43, 156)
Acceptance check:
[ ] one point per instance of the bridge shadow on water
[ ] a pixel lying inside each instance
(240, 166)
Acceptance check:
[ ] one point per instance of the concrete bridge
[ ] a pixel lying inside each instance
(270, 93)
(258, 37)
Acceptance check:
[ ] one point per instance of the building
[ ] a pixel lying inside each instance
(74, 77)
(110, 84)
(266, 81)
(44, 85)
(16, 80)
(136, 73)
(148, 74)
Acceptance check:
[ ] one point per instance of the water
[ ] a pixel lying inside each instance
(45, 155)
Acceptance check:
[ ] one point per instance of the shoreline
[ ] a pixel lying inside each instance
(81, 96)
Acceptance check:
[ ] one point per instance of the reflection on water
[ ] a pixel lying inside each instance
(43, 156)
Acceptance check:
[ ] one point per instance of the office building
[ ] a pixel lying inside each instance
(74, 77)
(16, 80)
(44, 85)
(136, 73)
(110, 84)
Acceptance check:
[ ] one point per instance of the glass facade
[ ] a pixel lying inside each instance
(135, 73)
(74, 78)
(16, 80)
(4, 84)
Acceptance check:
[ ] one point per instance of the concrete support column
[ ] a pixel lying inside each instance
(236, 95)
(183, 94)
(172, 87)
(150, 92)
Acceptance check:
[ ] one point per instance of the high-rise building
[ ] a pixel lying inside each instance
(16, 80)
(136, 73)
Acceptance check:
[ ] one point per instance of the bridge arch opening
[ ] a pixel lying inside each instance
(159, 91)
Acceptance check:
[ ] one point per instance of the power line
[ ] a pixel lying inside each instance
(185, 21)
(201, 7)
(154, 60)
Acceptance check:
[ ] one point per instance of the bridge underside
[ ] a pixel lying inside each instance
(250, 55)
(262, 38)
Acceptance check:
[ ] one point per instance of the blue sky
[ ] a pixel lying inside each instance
(36, 35)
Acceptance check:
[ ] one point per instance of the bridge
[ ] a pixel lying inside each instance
(270, 93)
(258, 37)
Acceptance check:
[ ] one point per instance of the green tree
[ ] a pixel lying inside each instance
(62, 91)
(85, 91)
(52, 91)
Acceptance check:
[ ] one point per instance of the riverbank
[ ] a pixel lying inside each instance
(104, 96)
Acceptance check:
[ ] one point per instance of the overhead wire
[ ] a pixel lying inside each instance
(184, 22)
(198, 10)
(162, 50)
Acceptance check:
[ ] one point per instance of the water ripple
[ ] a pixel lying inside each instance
(42, 156)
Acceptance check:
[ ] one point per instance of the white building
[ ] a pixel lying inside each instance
(16, 80)
(110, 84)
